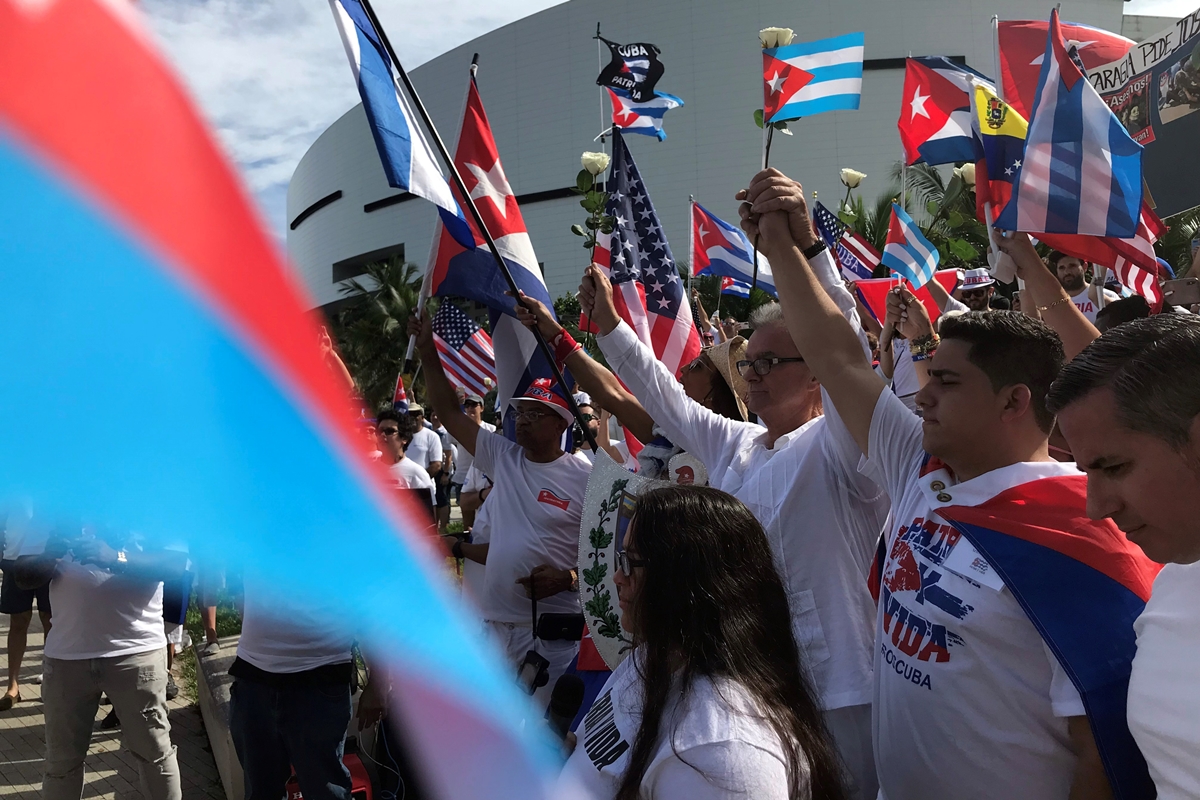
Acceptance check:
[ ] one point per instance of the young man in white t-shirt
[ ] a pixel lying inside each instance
(969, 701)
(534, 512)
(426, 446)
(108, 638)
(1129, 406)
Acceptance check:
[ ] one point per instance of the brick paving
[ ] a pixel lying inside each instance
(110, 771)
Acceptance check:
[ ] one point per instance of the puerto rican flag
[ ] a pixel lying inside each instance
(473, 274)
(935, 117)
(907, 252)
(647, 290)
(645, 117)
(1022, 45)
(719, 248)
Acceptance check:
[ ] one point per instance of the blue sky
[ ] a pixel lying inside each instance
(271, 74)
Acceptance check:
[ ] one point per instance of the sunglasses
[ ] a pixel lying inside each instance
(973, 293)
(388, 432)
(589, 417)
(472, 404)
(627, 563)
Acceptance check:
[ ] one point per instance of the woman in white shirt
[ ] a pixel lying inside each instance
(714, 702)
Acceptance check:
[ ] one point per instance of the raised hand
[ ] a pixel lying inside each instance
(907, 314)
(596, 299)
(772, 191)
(531, 312)
(421, 327)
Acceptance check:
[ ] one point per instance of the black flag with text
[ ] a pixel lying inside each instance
(634, 68)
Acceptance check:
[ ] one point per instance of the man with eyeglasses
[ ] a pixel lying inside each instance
(533, 511)
(799, 476)
(395, 432)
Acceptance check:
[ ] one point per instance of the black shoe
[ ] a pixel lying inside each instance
(110, 722)
(172, 688)
(104, 701)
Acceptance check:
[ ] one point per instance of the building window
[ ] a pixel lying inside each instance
(357, 265)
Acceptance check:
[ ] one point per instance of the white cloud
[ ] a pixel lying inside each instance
(271, 74)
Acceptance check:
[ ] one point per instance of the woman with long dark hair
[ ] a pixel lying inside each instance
(714, 702)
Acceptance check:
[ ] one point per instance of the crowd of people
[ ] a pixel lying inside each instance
(940, 555)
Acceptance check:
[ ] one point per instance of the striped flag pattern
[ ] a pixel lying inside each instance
(808, 78)
(908, 253)
(645, 117)
(734, 288)
(855, 254)
(465, 349)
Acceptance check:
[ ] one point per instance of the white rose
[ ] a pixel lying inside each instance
(771, 38)
(594, 163)
(967, 173)
(851, 178)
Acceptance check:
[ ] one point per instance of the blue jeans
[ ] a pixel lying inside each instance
(302, 727)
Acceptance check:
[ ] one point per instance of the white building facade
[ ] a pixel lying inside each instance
(537, 80)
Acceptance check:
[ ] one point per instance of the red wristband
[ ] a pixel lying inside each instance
(564, 345)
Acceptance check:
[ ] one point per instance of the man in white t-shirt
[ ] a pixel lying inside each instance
(108, 638)
(1129, 406)
(395, 431)
(799, 477)
(534, 511)
(969, 700)
(426, 446)
(1070, 273)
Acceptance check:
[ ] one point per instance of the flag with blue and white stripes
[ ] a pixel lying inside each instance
(646, 117)
(734, 288)
(807, 78)
(907, 252)
(408, 160)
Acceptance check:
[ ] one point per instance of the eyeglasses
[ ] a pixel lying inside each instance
(762, 366)
(627, 563)
(388, 432)
(589, 417)
(533, 415)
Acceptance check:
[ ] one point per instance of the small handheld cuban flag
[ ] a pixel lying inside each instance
(907, 252)
(807, 78)
(408, 160)
(719, 248)
(734, 288)
(645, 117)
(634, 69)
(399, 396)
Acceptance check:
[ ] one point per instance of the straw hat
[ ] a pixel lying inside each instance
(724, 357)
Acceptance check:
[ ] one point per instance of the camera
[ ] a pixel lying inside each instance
(534, 672)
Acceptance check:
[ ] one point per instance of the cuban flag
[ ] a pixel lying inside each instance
(1081, 583)
(408, 160)
(873, 294)
(907, 252)
(807, 78)
(175, 291)
(633, 68)
(719, 248)
(645, 117)
(734, 288)
(935, 118)
(1082, 172)
(857, 258)
(399, 396)
(1022, 47)
(472, 272)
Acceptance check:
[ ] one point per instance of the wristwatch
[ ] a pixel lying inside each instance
(121, 563)
(574, 580)
(814, 249)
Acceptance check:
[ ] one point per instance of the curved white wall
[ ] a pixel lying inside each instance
(537, 79)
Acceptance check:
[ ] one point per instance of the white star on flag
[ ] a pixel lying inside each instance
(776, 83)
(493, 185)
(918, 104)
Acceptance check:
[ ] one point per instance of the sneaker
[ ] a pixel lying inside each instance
(187, 641)
(210, 649)
(172, 688)
(110, 722)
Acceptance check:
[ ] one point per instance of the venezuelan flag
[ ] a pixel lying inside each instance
(161, 376)
(1000, 143)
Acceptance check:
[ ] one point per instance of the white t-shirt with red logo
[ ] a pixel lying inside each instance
(1087, 307)
(969, 701)
(533, 516)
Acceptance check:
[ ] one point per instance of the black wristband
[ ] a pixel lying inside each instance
(814, 249)
(456, 548)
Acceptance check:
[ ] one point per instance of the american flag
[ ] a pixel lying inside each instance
(855, 254)
(465, 349)
(649, 295)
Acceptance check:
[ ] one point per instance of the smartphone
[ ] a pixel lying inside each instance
(1182, 292)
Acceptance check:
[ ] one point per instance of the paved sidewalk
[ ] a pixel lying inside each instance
(111, 772)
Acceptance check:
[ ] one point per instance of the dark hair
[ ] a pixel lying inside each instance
(711, 604)
(1152, 367)
(1118, 312)
(1058, 255)
(999, 302)
(403, 422)
(1011, 349)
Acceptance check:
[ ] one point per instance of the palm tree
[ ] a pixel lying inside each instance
(372, 329)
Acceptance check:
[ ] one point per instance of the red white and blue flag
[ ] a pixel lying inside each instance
(465, 349)
(472, 273)
(857, 258)
(719, 248)
(907, 252)
(734, 288)
(399, 396)
(644, 117)
(175, 293)
(873, 293)
(1082, 172)
(647, 290)
(1022, 46)
(807, 78)
(935, 117)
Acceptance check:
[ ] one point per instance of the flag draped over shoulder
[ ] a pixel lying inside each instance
(472, 272)
(719, 248)
(408, 160)
(807, 78)
(175, 291)
(1082, 584)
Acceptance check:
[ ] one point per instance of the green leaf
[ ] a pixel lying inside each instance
(963, 249)
(607, 227)
(577, 230)
(781, 127)
(932, 207)
(592, 224)
(955, 220)
(847, 217)
(584, 181)
(592, 576)
(758, 117)
(589, 243)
